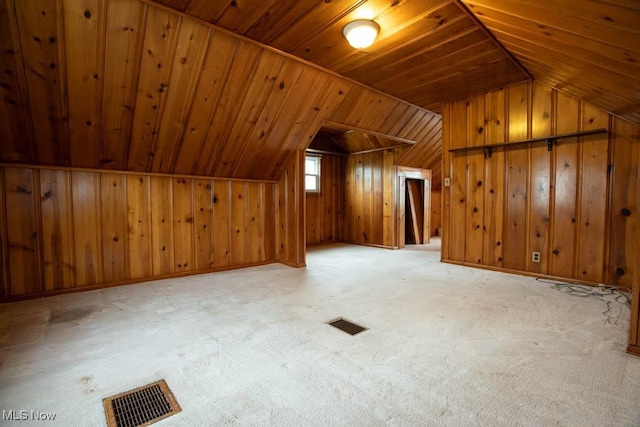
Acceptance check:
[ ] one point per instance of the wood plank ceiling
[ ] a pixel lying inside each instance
(334, 139)
(589, 48)
(133, 85)
(428, 51)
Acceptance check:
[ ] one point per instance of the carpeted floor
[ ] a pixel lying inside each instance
(446, 346)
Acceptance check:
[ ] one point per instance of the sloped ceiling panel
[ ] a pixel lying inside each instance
(428, 51)
(129, 85)
(589, 48)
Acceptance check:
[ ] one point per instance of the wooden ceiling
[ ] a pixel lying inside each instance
(340, 140)
(129, 85)
(587, 48)
(428, 51)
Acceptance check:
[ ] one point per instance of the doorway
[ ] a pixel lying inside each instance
(414, 206)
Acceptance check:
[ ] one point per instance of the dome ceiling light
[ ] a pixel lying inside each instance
(361, 33)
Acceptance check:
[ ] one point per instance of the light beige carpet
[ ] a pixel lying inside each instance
(446, 346)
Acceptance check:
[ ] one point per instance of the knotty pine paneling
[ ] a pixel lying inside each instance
(370, 199)
(436, 212)
(434, 47)
(24, 262)
(57, 229)
(577, 205)
(132, 85)
(290, 210)
(74, 229)
(325, 210)
(590, 50)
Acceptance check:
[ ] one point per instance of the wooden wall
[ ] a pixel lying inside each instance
(370, 199)
(128, 85)
(634, 329)
(436, 211)
(325, 210)
(290, 212)
(70, 229)
(577, 205)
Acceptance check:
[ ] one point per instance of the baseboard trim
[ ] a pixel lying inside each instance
(14, 298)
(634, 349)
(520, 272)
(293, 264)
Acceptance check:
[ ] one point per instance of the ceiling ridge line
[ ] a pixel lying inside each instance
(493, 38)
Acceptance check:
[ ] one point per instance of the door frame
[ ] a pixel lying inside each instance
(402, 173)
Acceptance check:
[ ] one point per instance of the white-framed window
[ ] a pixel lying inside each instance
(312, 174)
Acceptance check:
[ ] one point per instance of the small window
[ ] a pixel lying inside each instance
(312, 174)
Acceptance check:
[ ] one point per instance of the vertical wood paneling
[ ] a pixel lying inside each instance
(57, 230)
(221, 223)
(516, 180)
(114, 226)
(22, 231)
(325, 209)
(203, 226)
(389, 231)
(624, 205)
(576, 205)
(159, 47)
(15, 141)
(270, 221)
(291, 233)
(367, 166)
(125, 22)
(87, 229)
(566, 175)
(215, 71)
(377, 198)
(242, 68)
(371, 199)
(494, 181)
(540, 180)
(139, 226)
(162, 225)
(475, 181)
(79, 228)
(239, 225)
(457, 216)
(186, 71)
(84, 33)
(43, 61)
(436, 212)
(183, 220)
(255, 222)
(593, 196)
(263, 82)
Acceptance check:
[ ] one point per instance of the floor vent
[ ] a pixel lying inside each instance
(347, 326)
(142, 406)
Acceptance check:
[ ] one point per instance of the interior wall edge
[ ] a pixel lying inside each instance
(16, 298)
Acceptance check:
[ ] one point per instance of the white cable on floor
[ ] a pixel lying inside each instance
(621, 295)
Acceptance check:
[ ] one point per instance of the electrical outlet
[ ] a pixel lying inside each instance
(447, 182)
(535, 256)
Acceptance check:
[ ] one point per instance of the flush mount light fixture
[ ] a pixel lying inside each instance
(361, 33)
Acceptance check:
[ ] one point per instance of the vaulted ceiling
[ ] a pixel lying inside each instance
(587, 48)
(154, 85)
(128, 84)
(428, 51)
